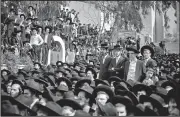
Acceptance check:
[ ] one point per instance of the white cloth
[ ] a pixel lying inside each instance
(132, 70)
(36, 40)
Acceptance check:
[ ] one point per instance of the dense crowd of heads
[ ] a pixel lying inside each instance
(118, 80)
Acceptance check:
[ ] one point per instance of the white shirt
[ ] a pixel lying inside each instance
(72, 17)
(45, 39)
(146, 60)
(117, 59)
(36, 40)
(105, 58)
(132, 70)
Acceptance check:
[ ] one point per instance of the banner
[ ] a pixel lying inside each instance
(54, 56)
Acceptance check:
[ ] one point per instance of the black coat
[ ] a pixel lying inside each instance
(118, 68)
(104, 74)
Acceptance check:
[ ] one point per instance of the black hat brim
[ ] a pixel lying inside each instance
(69, 102)
(104, 88)
(80, 82)
(121, 99)
(139, 87)
(66, 80)
(99, 81)
(114, 78)
(155, 103)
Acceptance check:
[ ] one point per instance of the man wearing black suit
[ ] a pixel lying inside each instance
(148, 52)
(104, 62)
(134, 69)
(116, 67)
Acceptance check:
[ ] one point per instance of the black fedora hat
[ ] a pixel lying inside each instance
(68, 69)
(172, 94)
(132, 96)
(155, 99)
(114, 78)
(12, 77)
(139, 87)
(62, 71)
(21, 101)
(121, 99)
(24, 103)
(86, 89)
(162, 92)
(41, 80)
(69, 102)
(32, 85)
(7, 109)
(149, 48)
(23, 15)
(168, 83)
(35, 72)
(135, 110)
(48, 27)
(105, 89)
(52, 108)
(5, 70)
(48, 94)
(17, 81)
(51, 79)
(128, 84)
(99, 81)
(30, 7)
(61, 88)
(65, 80)
(23, 72)
(34, 28)
(132, 48)
(59, 62)
(75, 78)
(82, 81)
(106, 110)
(92, 70)
(121, 86)
(117, 47)
(38, 63)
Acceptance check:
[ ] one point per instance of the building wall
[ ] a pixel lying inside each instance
(159, 27)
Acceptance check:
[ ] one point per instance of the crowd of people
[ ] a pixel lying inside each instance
(26, 33)
(118, 80)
